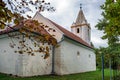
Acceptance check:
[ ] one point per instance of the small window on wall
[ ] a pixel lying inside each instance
(89, 55)
(78, 31)
(78, 53)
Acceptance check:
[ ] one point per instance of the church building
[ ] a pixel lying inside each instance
(74, 54)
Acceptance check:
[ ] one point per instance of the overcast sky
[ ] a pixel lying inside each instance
(67, 11)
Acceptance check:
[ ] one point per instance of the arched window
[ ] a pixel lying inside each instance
(78, 53)
(78, 30)
(89, 55)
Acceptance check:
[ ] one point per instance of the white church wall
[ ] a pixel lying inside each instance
(74, 31)
(57, 60)
(37, 65)
(85, 34)
(76, 59)
(41, 19)
(10, 62)
(89, 35)
(23, 64)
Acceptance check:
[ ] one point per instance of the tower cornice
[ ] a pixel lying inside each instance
(81, 25)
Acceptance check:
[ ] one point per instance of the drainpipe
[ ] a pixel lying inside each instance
(53, 56)
(53, 60)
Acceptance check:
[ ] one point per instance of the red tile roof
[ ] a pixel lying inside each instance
(38, 30)
(9, 29)
(71, 35)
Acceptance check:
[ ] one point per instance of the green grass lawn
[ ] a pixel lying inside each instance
(95, 75)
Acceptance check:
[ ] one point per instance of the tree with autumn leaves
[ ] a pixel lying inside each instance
(11, 12)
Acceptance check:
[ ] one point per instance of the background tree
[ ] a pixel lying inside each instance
(99, 52)
(110, 25)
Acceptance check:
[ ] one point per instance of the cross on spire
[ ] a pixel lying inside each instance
(80, 6)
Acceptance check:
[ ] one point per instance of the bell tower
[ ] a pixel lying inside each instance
(81, 27)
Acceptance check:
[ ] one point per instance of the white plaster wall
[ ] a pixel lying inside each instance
(10, 62)
(71, 63)
(85, 33)
(22, 64)
(74, 31)
(57, 60)
(89, 37)
(41, 19)
(37, 65)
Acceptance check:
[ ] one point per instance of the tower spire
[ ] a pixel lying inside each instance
(80, 18)
(81, 28)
